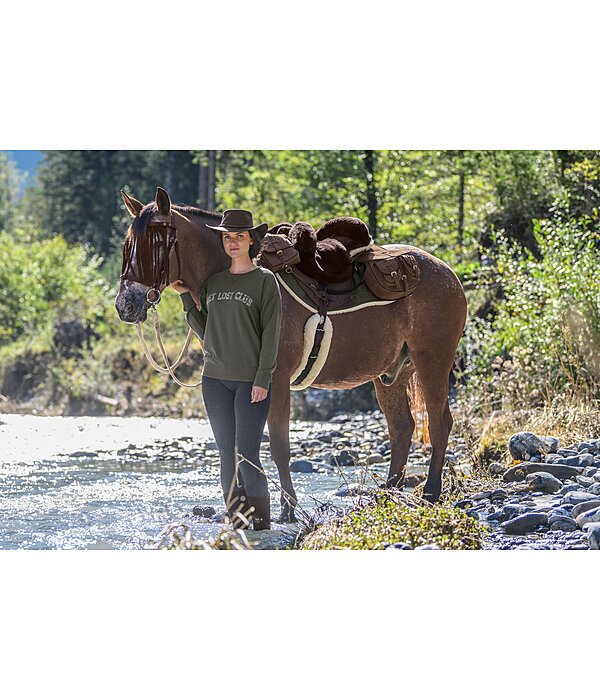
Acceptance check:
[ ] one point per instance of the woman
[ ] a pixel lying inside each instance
(238, 322)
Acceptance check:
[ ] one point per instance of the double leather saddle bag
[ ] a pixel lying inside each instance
(389, 274)
(277, 252)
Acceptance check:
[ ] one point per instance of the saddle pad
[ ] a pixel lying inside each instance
(358, 297)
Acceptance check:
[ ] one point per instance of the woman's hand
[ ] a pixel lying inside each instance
(258, 394)
(178, 287)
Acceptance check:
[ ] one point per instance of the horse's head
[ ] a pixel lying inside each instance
(149, 249)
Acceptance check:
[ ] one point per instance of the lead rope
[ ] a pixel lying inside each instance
(169, 367)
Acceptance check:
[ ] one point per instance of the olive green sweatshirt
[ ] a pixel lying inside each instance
(238, 322)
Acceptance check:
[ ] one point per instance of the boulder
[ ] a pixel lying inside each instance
(526, 445)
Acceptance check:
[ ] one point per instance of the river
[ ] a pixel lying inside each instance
(117, 483)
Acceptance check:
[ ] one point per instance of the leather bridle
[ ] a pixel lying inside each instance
(164, 234)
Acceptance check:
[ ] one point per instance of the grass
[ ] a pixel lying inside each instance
(391, 517)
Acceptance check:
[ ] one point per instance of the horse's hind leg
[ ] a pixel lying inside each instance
(393, 401)
(433, 380)
(279, 441)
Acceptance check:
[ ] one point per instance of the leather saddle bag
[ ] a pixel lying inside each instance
(277, 252)
(389, 274)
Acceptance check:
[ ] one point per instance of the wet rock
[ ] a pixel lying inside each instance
(526, 445)
(590, 516)
(204, 511)
(374, 459)
(344, 458)
(543, 482)
(302, 466)
(384, 447)
(560, 471)
(583, 507)
(523, 524)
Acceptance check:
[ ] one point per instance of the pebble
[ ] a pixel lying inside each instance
(560, 471)
(344, 458)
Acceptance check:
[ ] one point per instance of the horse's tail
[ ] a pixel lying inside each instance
(418, 409)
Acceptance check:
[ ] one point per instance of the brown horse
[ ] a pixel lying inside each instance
(384, 344)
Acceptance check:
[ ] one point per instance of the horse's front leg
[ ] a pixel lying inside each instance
(279, 439)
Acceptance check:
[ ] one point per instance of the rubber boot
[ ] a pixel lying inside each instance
(237, 501)
(261, 517)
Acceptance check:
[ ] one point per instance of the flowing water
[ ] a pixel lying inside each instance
(117, 483)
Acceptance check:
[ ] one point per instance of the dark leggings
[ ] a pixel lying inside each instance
(234, 420)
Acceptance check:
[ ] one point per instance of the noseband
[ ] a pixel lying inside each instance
(151, 272)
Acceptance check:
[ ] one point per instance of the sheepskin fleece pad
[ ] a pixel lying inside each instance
(326, 254)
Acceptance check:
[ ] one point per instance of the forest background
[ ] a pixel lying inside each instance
(520, 229)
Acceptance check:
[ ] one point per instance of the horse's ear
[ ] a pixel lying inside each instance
(163, 201)
(132, 204)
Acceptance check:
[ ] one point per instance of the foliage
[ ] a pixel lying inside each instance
(545, 337)
(389, 522)
(44, 281)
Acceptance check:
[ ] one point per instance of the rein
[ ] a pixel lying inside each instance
(154, 274)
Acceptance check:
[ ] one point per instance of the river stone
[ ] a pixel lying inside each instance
(523, 524)
(302, 466)
(576, 497)
(497, 468)
(584, 480)
(544, 482)
(204, 511)
(560, 471)
(562, 522)
(344, 458)
(580, 460)
(570, 487)
(583, 507)
(552, 443)
(526, 445)
(594, 536)
(590, 516)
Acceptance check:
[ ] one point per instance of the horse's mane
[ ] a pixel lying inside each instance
(140, 223)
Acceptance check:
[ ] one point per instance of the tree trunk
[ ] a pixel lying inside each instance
(202, 184)
(461, 201)
(371, 193)
(212, 166)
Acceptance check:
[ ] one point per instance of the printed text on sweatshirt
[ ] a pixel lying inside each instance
(238, 322)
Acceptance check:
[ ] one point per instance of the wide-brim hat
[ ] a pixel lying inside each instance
(234, 220)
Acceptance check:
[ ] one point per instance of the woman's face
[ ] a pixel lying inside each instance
(237, 243)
